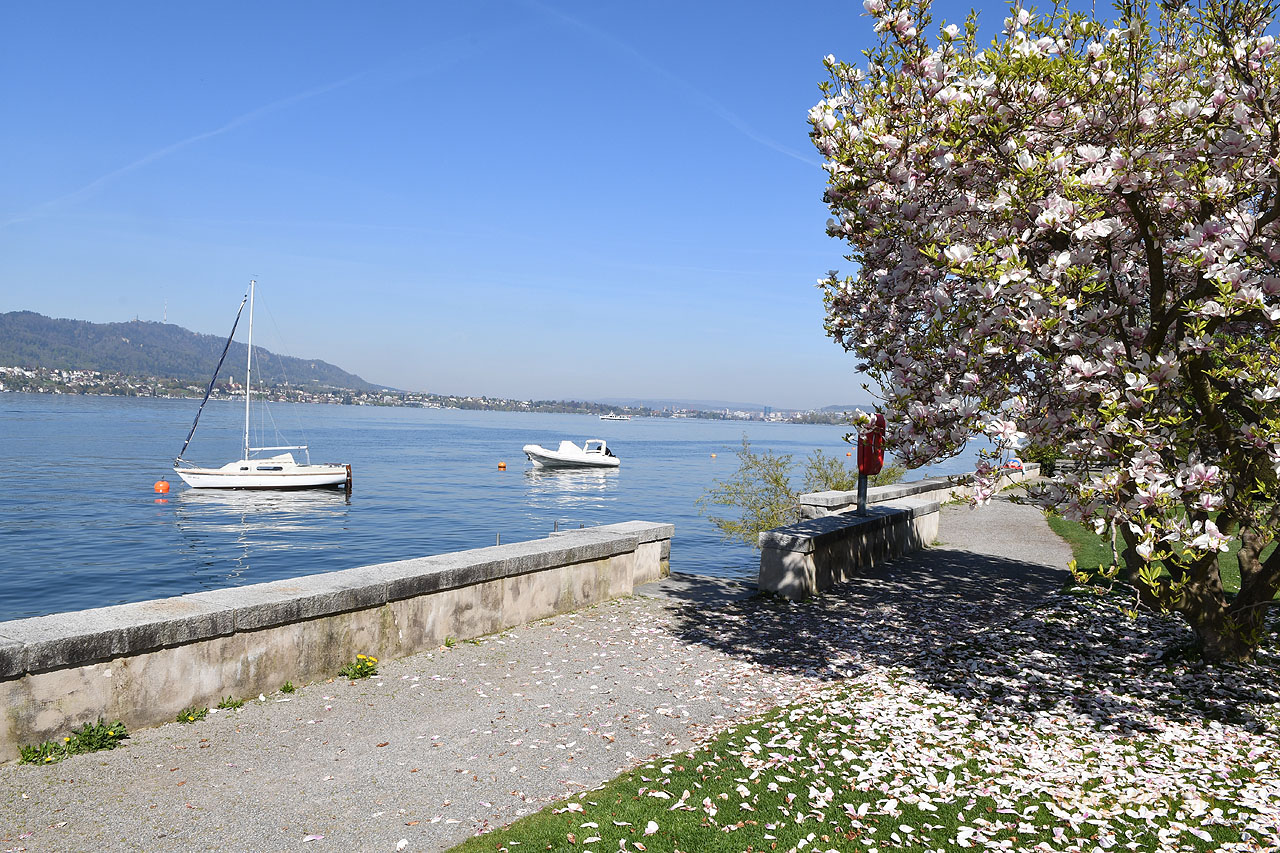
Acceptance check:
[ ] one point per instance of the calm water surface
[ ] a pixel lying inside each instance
(80, 525)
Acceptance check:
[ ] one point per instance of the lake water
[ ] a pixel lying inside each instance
(80, 524)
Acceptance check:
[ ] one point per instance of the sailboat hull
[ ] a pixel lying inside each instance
(274, 473)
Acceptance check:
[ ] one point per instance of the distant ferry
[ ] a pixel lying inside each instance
(615, 417)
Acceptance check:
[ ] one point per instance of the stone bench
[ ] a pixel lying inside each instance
(803, 559)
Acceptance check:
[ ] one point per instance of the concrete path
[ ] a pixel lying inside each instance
(444, 744)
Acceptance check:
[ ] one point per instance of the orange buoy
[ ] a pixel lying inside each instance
(162, 486)
(849, 453)
(713, 456)
(502, 466)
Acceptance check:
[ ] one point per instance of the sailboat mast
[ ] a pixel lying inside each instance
(248, 371)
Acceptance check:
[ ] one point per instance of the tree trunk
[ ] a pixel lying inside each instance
(1220, 642)
(1226, 631)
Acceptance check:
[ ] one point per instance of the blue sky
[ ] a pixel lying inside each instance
(524, 199)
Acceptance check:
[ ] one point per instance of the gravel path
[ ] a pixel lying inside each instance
(444, 744)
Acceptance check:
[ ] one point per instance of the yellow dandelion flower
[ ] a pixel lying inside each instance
(48, 758)
(110, 733)
(374, 660)
(66, 740)
(359, 657)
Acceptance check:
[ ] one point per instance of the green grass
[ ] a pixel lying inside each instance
(1088, 549)
(815, 777)
(1091, 551)
(230, 703)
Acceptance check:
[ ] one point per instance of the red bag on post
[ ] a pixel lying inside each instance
(871, 447)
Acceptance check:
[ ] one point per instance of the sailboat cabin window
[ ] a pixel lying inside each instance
(270, 468)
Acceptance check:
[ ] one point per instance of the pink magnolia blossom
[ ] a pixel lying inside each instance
(1061, 241)
(1209, 538)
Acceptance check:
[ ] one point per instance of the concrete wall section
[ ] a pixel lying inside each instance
(143, 663)
(941, 489)
(803, 559)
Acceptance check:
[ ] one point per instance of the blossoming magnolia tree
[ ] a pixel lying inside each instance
(1071, 236)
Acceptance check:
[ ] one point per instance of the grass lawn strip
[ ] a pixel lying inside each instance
(1065, 730)
(1092, 551)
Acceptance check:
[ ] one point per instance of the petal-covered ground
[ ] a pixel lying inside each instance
(1031, 718)
(1030, 735)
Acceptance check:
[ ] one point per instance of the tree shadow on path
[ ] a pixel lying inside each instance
(993, 630)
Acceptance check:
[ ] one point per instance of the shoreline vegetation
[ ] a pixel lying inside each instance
(45, 380)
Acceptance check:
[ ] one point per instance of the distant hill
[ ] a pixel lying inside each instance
(141, 348)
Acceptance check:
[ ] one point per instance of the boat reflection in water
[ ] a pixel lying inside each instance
(221, 528)
(572, 496)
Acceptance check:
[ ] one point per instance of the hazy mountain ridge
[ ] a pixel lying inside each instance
(703, 405)
(146, 348)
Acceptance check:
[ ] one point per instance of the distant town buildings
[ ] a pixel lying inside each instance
(54, 381)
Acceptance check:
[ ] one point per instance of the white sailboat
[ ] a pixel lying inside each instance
(280, 471)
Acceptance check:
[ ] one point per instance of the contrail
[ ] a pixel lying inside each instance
(92, 187)
(691, 91)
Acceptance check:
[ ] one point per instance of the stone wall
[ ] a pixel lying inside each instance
(143, 663)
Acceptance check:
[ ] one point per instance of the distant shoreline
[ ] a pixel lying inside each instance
(43, 380)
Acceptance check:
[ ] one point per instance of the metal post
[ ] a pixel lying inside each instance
(862, 494)
(248, 371)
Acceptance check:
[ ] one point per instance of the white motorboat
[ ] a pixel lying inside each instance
(281, 471)
(592, 454)
(612, 417)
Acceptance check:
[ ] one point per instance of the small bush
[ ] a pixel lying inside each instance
(91, 737)
(762, 492)
(362, 667)
(823, 473)
(192, 714)
(1047, 457)
(287, 687)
